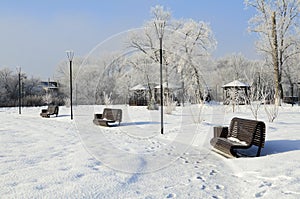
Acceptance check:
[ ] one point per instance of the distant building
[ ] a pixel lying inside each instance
(45, 87)
(140, 95)
(291, 93)
(49, 86)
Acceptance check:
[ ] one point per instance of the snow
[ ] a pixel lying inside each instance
(237, 140)
(139, 87)
(59, 158)
(236, 83)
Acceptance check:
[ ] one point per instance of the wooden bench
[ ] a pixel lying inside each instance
(51, 110)
(109, 117)
(241, 135)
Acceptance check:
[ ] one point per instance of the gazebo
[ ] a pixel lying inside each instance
(236, 91)
(138, 96)
(170, 90)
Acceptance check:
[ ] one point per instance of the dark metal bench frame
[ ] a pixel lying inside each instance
(108, 118)
(51, 110)
(252, 132)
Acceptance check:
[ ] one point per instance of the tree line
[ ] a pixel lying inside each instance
(16, 87)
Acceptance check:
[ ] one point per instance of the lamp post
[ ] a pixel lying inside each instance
(70, 55)
(159, 26)
(19, 77)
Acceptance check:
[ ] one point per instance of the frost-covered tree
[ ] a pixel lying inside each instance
(9, 81)
(276, 24)
(144, 70)
(146, 43)
(8, 84)
(31, 94)
(62, 73)
(235, 67)
(193, 42)
(91, 77)
(187, 45)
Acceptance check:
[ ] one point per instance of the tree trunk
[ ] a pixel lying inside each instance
(275, 60)
(199, 96)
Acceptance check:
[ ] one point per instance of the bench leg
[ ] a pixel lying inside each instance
(258, 151)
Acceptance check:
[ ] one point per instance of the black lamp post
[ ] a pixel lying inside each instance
(19, 76)
(70, 55)
(159, 26)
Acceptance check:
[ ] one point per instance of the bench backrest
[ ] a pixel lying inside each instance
(112, 114)
(250, 131)
(52, 109)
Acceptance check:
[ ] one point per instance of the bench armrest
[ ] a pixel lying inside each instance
(221, 131)
(98, 116)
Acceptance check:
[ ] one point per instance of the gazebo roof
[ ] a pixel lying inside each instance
(236, 83)
(139, 87)
(170, 85)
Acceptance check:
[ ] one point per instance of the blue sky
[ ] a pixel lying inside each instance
(35, 33)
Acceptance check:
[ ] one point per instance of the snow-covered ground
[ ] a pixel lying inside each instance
(60, 158)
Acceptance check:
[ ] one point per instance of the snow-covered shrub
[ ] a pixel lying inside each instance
(152, 105)
(256, 100)
(32, 100)
(47, 98)
(234, 97)
(271, 111)
(107, 99)
(170, 106)
(67, 102)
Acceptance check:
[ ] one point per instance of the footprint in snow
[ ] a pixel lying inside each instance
(212, 172)
(200, 178)
(217, 197)
(13, 184)
(260, 194)
(65, 168)
(40, 187)
(203, 187)
(265, 183)
(219, 187)
(167, 187)
(77, 176)
(171, 195)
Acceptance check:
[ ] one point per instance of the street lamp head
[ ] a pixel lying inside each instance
(160, 26)
(70, 54)
(18, 68)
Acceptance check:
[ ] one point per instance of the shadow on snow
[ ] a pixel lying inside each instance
(280, 146)
(138, 123)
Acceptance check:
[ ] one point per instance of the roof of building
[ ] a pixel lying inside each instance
(236, 83)
(139, 87)
(169, 85)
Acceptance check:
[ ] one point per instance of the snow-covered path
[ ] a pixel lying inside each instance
(59, 158)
